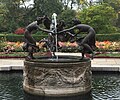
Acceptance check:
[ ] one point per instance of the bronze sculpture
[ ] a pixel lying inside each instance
(87, 43)
(30, 42)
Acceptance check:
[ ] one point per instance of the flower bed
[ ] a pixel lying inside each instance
(105, 49)
(108, 49)
(9, 47)
(108, 46)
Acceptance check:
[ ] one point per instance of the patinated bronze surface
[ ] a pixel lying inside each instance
(88, 42)
(30, 42)
(63, 35)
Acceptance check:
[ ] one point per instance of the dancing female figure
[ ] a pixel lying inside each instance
(87, 42)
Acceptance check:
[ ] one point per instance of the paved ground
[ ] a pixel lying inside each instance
(105, 64)
(97, 64)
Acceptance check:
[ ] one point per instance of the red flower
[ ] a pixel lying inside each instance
(20, 31)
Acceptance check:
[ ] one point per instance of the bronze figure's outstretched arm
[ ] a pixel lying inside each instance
(45, 30)
(67, 30)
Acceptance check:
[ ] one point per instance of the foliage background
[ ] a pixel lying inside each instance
(103, 16)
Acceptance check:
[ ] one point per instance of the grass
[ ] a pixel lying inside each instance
(108, 54)
(13, 54)
(23, 54)
(18, 54)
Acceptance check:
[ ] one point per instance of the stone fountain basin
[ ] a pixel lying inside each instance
(61, 76)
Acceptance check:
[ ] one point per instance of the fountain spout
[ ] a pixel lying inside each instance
(54, 23)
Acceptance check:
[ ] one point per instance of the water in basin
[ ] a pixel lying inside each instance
(104, 86)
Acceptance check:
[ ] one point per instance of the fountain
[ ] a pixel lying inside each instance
(57, 76)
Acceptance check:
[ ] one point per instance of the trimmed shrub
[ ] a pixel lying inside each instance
(15, 37)
(109, 37)
(38, 37)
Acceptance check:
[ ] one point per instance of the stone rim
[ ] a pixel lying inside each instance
(61, 59)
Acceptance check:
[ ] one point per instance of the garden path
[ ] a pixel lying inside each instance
(97, 64)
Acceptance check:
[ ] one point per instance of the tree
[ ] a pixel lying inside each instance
(3, 11)
(67, 16)
(113, 3)
(116, 5)
(47, 7)
(14, 13)
(100, 17)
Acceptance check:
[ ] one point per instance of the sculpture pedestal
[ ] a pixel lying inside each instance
(65, 76)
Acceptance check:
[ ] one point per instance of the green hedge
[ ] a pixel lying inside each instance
(15, 38)
(110, 37)
(99, 37)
